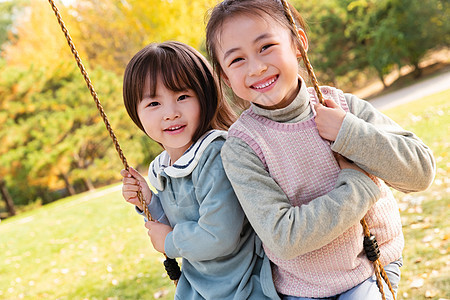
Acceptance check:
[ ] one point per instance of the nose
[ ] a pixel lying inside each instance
(256, 67)
(171, 112)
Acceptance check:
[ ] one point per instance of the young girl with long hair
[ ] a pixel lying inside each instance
(171, 94)
(279, 157)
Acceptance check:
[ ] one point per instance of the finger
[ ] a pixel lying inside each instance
(129, 195)
(135, 202)
(130, 181)
(336, 155)
(317, 106)
(124, 173)
(149, 225)
(330, 103)
(135, 174)
(131, 187)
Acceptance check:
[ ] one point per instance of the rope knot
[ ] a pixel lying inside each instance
(371, 248)
(172, 268)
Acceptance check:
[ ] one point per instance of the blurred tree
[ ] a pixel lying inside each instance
(7, 13)
(52, 137)
(394, 32)
(377, 44)
(7, 198)
(331, 45)
(38, 39)
(349, 36)
(136, 23)
(423, 25)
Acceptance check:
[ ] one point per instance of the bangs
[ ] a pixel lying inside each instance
(178, 67)
(172, 69)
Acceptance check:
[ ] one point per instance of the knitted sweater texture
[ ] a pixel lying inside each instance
(302, 163)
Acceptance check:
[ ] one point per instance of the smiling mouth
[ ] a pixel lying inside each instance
(261, 86)
(175, 128)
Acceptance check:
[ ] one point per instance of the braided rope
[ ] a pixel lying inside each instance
(378, 268)
(103, 115)
(380, 273)
(309, 67)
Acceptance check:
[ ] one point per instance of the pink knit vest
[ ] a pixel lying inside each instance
(302, 163)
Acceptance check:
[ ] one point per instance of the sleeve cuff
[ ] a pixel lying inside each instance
(370, 185)
(341, 139)
(169, 247)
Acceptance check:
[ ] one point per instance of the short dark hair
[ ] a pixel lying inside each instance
(180, 67)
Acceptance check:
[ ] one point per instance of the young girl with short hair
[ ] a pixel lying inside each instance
(171, 94)
(279, 157)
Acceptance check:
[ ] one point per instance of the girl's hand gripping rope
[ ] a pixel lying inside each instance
(132, 183)
(329, 119)
(158, 233)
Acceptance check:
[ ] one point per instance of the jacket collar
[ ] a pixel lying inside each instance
(185, 164)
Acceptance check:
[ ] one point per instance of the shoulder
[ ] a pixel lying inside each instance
(241, 121)
(247, 127)
(360, 107)
(212, 151)
(210, 165)
(329, 92)
(213, 148)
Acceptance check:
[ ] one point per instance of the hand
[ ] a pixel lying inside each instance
(344, 163)
(132, 183)
(158, 233)
(329, 119)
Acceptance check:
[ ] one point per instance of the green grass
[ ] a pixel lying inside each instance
(425, 215)
(96, 247)
(81, 247)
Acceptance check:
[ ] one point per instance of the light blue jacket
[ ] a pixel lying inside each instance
(222, 258)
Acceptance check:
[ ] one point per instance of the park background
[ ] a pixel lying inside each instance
(73, 236)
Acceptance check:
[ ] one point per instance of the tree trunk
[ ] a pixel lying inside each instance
(8, 200)
(89, 184)
(69, 187)
(417, 70)
(382, 79)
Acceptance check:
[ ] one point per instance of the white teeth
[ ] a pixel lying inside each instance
(265, 84)
(174, 128)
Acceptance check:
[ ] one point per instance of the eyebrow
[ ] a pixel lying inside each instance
(260, 37)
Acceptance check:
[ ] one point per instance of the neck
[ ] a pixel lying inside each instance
(285, 102)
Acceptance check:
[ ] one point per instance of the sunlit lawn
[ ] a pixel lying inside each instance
(95, 247)
(80, 248)
(426, 215)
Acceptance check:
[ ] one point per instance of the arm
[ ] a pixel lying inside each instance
(287, 230)
(381, 147)
(217, 231)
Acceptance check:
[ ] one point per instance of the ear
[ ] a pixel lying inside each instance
(303, 40)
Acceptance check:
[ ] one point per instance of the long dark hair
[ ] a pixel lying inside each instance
(180, 67)
(261, 8)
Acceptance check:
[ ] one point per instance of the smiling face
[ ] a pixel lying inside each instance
(261, 65)
(170, 118)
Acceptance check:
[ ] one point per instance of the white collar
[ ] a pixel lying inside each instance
(185, 164)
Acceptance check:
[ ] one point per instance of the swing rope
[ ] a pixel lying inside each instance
(370, 243)
(171, 265)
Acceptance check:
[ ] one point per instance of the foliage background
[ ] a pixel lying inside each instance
(52, 141)
(54, 144)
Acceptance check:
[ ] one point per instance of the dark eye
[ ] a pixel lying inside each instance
(236, 60)
(183, 97)
(152, 104)
(265, 47)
